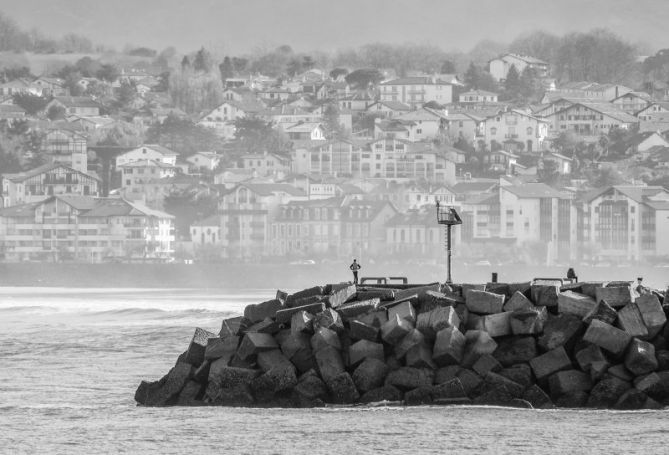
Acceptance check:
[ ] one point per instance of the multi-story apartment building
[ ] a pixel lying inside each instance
(246, 212)
(626, 222)
(416, 233)
(145, 180)
(67, 147)
(266, 163)
(416, 91)
(86, 229)
(516, 130)
(477, 96)
(45, 181)
(152, 152)
(587, 119)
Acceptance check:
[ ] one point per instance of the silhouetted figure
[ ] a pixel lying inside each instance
(572, 275)
(355, 267)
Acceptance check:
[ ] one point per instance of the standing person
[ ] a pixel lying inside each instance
(355, 267)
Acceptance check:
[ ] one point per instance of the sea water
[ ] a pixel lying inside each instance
(71, 360)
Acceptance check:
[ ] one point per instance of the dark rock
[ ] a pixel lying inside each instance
(570, 302)
(662, 360)
(329, 362)
(411, 339)
(342, 389)
(419, 356)
(393, 331)
(448, 347)
(329, 319)
(617, 297)
(603, 312)
(272, 360)
(545, 292)
(551, 362)
(630, 320)
(518, 302)
(572, 400)
(325, 337)
(364, 349)
(232, 327)
(631, 399)
(197, 346)
(258, 312)
(607, 392)
(640, 358)
(376, 319)
(385, 393)
(218, 347)
(447, 373)
(253, 343)
(591, 360)
(483, 302)
(451, 389)
(267, 325)
(311, 386)
(418, 396)
(285, 315)
(560, 330)
(492, 381)
(370, 374)
(607, 337)
(302, 322)
(652, 313)
(408, 378)
(528, 321)
(486, 363)
(470, 381)
(275, 380)
(520, 373)
(191, 394)
(360, 331)
(513, 350)
(404, 310)
(569, 381)
(281, 296)
(620, 372)
(166, 390)
(537, 397)
(201, 374)
(432, 300)
(292, 299)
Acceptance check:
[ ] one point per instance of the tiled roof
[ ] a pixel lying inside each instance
(267, 189)
(534, 190)
(77, 101)
(417, 80)
(21, 176)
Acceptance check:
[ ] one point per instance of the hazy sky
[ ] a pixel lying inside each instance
(241, 25)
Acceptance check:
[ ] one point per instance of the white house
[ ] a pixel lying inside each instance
(149, 152)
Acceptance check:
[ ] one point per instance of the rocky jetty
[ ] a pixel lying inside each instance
(543, 344)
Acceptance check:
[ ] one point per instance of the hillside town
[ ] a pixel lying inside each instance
(206, 161)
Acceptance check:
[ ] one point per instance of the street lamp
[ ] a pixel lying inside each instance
(447, 216)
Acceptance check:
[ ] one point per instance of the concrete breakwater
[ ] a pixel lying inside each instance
(543, 344)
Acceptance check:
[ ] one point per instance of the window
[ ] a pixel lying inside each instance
(529, 130)
(493, 131)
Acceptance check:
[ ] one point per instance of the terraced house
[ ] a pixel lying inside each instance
(416, 91)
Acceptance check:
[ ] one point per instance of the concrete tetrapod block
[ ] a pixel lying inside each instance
(198, 346)
(294, 343)
(353, 309)
(528, 321)
(285, 315)
(360, 331)
(550, 362)
(384, 295)
(640, 358)
(162, 392)
(607, 337)
(560, 330)
(591, 360)
(439, 318)
(272, 360)
(479, 342)
(602, 311)
(448, 390)
(218, 347)
(329, 319)
(407, 378)
(376, 318)
(449, 347)
(386, 393)
(652, 314)
(325, 337)
(370, 374)
(607, 392)
(419, 356)
(329, 362)
(483, 302)
(515, 349)
(630, 320)
(518, 301)
(342, 389)
(393, 331)
(617, 297)
(253, 343)
(568, 381)
(404, 310)
(520, 373)
(411, 339)
(431, 300)
(338, 297)
(315, 291)
(575, 303)
(485, 364)
(364, 349)
(470, 380)
(545, 292)
(231, 327)
(497, 325)
(258, 312)
(498, 288)
(538, 398)
(302, 322)
(267, 325)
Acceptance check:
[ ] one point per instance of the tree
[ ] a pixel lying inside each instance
(87, 67)
(71, 84)
(183, 136)
(537, 44)
(33, 104)
(203, 62)
(254, 134)
(56, 112)
(333, 129)
(335, 73)
(142, 52)
(530, 85)
(226, 68)
(548, 172)
(364, 78)
(9, 74)
(127, 93)
(108, 72)
(307, 62)
(472, 76)
(188, 206)
(448, 67)
(294, 67)
(512, 83)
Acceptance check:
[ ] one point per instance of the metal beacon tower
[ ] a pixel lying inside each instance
(447, 216)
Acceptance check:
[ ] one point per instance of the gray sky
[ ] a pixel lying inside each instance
(241, 25)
